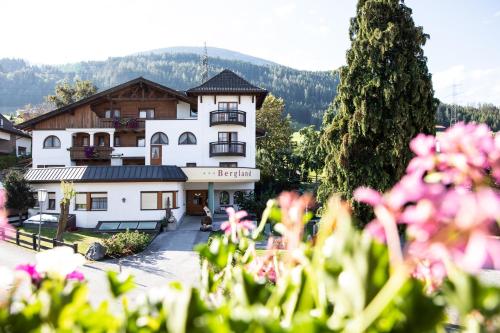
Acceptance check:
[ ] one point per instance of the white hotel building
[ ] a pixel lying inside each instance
(131, 149)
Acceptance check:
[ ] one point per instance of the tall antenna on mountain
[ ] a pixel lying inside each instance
(204, 64)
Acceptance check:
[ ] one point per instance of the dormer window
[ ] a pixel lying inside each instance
(147, 113)
(228, 106)
(112, 113)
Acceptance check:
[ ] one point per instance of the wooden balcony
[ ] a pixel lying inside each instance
(234, 148)
(125, 124)
(228, 118)
(90, 153)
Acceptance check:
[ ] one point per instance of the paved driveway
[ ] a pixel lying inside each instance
(170, 257)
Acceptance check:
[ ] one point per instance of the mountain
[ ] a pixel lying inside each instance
(213, 52)
(306, 93)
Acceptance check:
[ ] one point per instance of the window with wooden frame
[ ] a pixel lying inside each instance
(228, 106)
(112, 113)
(158, 200)
(140, 141)
(228, 136)
(147, 113)
(52, 201)
(91, 201)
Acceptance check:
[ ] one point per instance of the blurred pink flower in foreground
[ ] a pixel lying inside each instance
(447, 199)
(3, 215)
(31, 271)
(75, 275)
(235, 226)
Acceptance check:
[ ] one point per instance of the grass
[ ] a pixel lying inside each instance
(83, 238)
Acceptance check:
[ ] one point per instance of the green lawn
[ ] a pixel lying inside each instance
(83, 238)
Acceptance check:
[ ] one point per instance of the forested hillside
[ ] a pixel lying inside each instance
(484, 113)
(307, 94)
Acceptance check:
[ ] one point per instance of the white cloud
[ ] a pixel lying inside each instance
(497, 14)
(472, 85)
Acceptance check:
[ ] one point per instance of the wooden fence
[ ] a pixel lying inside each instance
(31, 240)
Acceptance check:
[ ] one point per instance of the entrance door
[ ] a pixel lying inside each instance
(155, 154)
(195, 201)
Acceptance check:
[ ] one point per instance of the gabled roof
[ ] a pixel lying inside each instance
(182, 96)
(99, 174)
(227, 82)
(8, 127)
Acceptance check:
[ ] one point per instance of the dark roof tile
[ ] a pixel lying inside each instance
(93, 174)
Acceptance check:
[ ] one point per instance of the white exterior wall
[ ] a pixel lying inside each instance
(117, 209)
(175, 154)
(56, 156)
(21, 141)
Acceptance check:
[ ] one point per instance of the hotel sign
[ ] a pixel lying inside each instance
(215, 174)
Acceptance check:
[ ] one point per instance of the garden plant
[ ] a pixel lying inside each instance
(342, 280)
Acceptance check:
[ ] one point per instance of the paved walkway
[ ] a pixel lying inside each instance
(170, 257)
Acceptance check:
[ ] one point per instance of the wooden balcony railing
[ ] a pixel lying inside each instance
(233, 117)
(90, 153)
(122, 123)
(234, 148)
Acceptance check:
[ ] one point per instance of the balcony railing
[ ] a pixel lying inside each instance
(90, 153)
(228, 117)
(122, 123)
(234, 148)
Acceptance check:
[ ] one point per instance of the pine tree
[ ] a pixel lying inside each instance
(385, 97)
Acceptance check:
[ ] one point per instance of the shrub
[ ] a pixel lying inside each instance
(126, 243)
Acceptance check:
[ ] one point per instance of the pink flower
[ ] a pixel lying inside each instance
(31, 271)
(235, 227)
(447, 201)
(368, 196)
(423, 145)
(75, 275)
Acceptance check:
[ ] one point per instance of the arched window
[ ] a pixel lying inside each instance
(224, 198)
(159, 138)
(52, 142)
(187, 138)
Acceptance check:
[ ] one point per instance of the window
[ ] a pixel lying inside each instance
(52, 142)
(193, 113)
(140, 142)
(81, 201)
(117, 141)
(228, 106)
(228, 164)
(21, 151)
(98, 201)
(147, 114)
(52, 200)
(187, 138)
(158, 200)
(112, 113)
(191, 165)
(1, 122)
(101, 141)
(159, 138)
(37, 203)
(91, 201)
(224, 198)
(228, 136)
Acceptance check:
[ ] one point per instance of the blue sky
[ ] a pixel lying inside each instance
(464, 48)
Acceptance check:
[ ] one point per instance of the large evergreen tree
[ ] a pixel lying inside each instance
(385, 97)
(65, 93)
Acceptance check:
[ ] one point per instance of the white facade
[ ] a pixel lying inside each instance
(123, 201)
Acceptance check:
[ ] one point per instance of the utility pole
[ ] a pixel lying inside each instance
(204, 65)
(453, 115)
